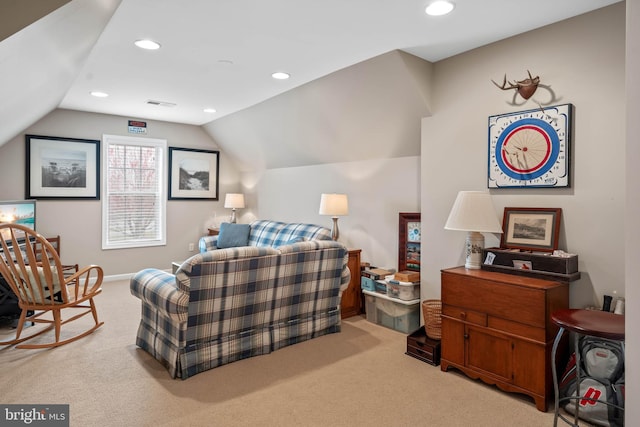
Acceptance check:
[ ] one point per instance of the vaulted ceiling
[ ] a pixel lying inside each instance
(220, 53)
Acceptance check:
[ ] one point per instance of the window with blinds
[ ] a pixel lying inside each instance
(133, 203)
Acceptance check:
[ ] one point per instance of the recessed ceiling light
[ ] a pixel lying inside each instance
(209, 110)
(147, 44)
(280, 75)
(99, 94)
(440, 7)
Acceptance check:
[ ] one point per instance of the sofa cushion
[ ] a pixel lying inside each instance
(294, 240)
(37, 296)
(233, 235)
(275, 234)
(295, 231)
(264, 232)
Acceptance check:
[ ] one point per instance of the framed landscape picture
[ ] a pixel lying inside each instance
(62, 168)
(533, 229)
(193, 174)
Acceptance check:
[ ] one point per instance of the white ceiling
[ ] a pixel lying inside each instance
(221, 53)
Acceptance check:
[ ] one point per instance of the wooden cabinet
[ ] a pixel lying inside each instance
(497, 327)
(351, 304)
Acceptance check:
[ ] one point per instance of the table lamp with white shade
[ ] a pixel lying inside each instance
(234, 201)
(473, 212)
(335, 205)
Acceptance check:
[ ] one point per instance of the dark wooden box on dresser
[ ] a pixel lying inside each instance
(497, 327)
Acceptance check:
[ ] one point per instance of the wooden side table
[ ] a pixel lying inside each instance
(351, 303)
(213, 231)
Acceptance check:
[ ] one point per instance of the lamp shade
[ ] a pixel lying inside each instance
(334, 205)
(473, 211)
(234, 201)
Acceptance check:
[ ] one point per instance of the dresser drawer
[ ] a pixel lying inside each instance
(521, 303)
(465, 315)
(518, 329)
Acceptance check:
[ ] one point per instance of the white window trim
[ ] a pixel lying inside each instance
(117, 139)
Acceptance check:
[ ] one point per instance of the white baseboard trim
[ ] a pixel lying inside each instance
(116, 277)
(126, 276)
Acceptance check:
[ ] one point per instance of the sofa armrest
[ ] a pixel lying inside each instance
(309, 245)
(158, 289)
(207, 243)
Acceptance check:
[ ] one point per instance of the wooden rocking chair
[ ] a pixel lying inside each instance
(31, 266)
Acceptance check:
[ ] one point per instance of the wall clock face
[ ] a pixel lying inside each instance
(530, 148)
(413, 231)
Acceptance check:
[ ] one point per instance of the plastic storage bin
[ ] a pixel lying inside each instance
(405, 291)
(393, 313)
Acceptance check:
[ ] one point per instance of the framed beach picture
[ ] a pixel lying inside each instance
(62, 168)
(193, 174)
(533, 229)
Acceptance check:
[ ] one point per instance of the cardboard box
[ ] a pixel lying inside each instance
(367, 283)
(376, 273)
(407, 276)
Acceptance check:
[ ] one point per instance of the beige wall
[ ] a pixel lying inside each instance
(378, 189)
(371, 110)
(582, 61)
(79, 222)
(632, 212)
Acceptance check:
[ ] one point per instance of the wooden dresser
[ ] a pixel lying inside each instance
(351, 303)
(497, 327)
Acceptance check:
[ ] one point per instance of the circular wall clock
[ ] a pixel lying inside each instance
(530, 148)
(413, 232)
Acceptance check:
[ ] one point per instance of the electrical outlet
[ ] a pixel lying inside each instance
(191, 247)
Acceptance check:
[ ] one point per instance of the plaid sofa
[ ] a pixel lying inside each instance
(224, 305)
(273, 234)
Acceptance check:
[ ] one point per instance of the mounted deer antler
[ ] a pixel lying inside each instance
(526, 88)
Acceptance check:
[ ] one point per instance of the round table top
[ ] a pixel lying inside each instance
(591, 322)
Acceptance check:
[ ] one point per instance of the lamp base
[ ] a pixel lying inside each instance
(233, 216)
(335, 233)
(473, 248)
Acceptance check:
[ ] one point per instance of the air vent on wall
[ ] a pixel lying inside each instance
(161, 103)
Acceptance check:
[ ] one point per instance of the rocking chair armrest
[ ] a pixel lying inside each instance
(87, 279)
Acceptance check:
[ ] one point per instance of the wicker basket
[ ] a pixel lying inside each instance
(432, 311)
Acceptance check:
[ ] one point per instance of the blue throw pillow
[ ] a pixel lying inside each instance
(233, 235)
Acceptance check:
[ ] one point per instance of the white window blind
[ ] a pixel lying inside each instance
(133, 207)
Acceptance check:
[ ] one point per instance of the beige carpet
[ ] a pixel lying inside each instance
(359, 377)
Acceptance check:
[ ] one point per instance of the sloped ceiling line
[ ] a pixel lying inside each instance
(378, 103)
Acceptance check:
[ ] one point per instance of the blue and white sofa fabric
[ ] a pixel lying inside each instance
(273, 234)
(229, 304)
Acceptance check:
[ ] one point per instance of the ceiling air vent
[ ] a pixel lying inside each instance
(161, 103)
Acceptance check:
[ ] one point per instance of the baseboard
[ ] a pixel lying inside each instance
(116, 277)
